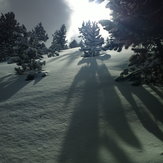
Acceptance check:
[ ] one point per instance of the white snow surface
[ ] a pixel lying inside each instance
(79, 114)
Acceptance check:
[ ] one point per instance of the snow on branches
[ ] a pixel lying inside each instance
(91, 39)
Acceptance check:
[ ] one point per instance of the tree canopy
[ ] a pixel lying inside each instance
(138, 24)
(59, 41)
(9, 27)
(135, 22)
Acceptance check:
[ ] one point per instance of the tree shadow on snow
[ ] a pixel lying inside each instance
(52, 59)
(148, 109)
(69, 56)
(10, 85)
(157, 90)
(113, 110)
(104, 56)
(83, 139)
(101, 57)
(37, 79)
(72, 57)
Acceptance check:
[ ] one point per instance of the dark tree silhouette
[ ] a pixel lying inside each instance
(138, 24)
(9, 27)
(73, 44)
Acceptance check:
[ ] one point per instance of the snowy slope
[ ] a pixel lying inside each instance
(79, 114)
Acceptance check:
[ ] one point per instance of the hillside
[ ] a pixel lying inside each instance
(79, 114)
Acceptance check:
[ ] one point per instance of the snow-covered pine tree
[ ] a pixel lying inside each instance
(30, 50)
(59, 41)
(38, 37)
(91, 38)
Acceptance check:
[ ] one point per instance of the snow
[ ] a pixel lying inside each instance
(79, 114)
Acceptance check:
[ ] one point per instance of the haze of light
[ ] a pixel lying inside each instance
(82, 10)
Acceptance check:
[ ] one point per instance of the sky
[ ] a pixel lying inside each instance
(54, 13)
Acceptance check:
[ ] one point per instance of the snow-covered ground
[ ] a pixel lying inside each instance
(79, 114)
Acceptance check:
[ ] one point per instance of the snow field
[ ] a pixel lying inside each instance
(79, 114)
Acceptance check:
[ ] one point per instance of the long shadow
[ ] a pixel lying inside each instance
(56, 58)
(113, 111)
(63, 57)
(10, 85)
(151, 106)
(72, 57)
(82, 141)
(38, 78)
(157, 91)
(101, 57)
(4, 78)
(117, 151)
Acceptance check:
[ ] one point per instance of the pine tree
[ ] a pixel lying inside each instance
(8, 29)
(30, 49)
(73, 44)
(134, 22)
(138, 24)
(55, 47)
(20, 44)
(59, 41)
(62, 37)
(92, 40)
(40, 33)
(38, 37)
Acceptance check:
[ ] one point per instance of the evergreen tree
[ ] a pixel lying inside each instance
(73, 44)
(134, 22)
(55, 47)
(138, 24)
(40, 33)
(30, 49)
(92, 40)
(59, 41)
(62, 37)
(21, 43)
(38, 37)
(8, 29)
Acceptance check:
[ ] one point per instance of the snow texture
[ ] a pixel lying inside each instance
(79, 114)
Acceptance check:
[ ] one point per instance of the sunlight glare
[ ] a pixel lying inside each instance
(83, 10)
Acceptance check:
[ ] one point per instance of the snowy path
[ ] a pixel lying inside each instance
(79, 114)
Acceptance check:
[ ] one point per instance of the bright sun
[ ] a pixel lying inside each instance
(83, 10)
